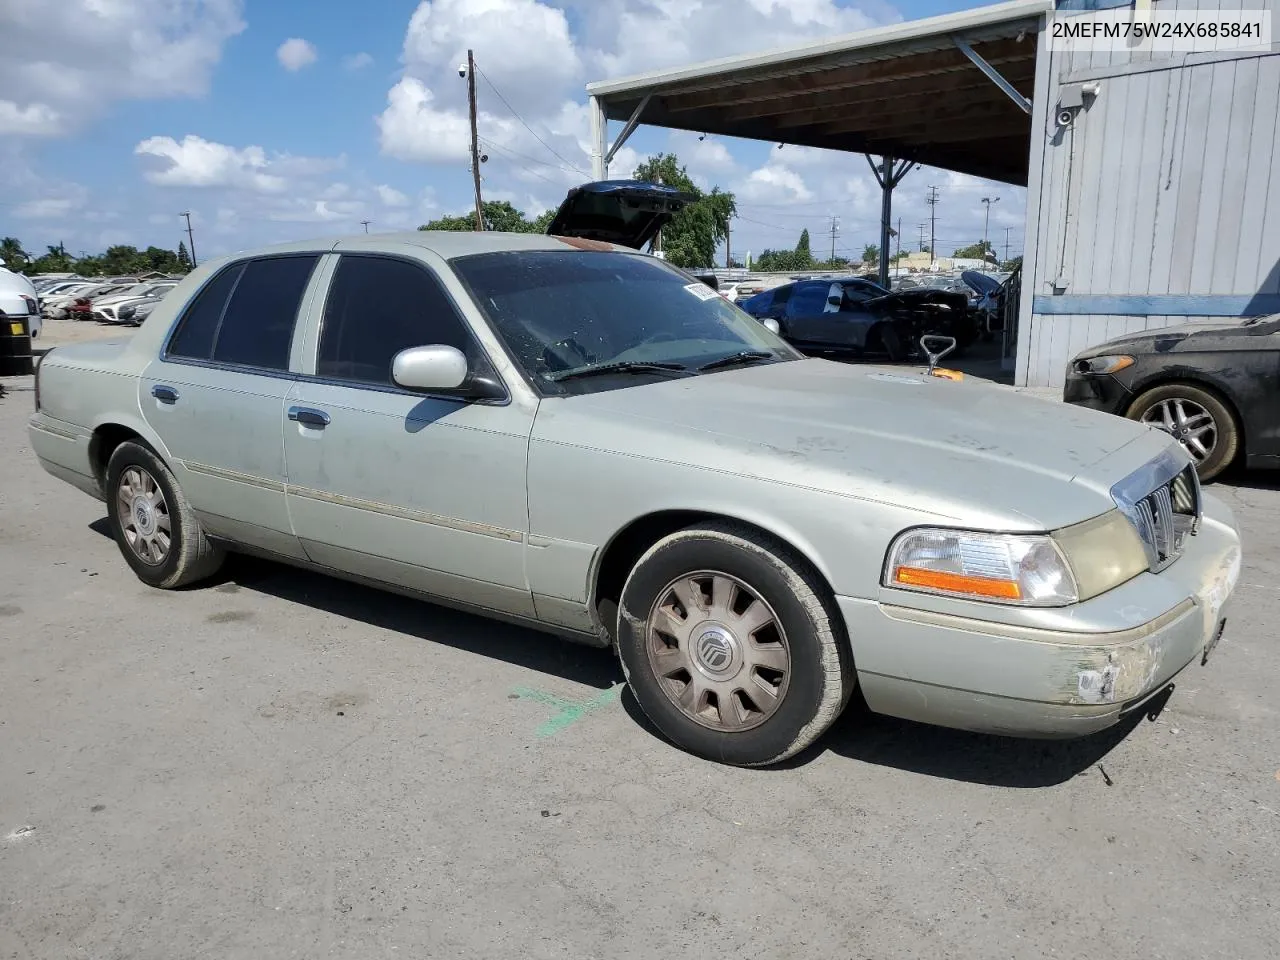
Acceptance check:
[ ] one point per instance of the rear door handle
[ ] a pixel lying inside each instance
(164, 394)
(309, 416)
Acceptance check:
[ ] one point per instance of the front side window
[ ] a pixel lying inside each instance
(566, 315)
(809, 299)
(378, 306)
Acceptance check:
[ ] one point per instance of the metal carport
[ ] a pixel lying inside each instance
(953, 92)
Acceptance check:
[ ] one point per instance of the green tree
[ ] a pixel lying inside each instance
(871, 253)
(14, 257)
(498, 215)
(783, 261)
(183, 258)
(89, 266)
(691, 237)
(982, 250)
(802, 248)
(542, 222)
(1012, 264)
(54, 261)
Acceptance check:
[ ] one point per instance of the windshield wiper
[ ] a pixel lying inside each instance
(736, 359)
(622, 366)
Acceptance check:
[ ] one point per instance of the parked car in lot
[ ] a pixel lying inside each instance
(856, 315)
(18, 301)
(566, 433)
(107, 309)
(1212, 386)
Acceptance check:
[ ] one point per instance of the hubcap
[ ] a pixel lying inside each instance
(1187, 422)
(144, 516)
(718, 651)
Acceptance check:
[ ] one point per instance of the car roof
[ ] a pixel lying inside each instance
(446, 244)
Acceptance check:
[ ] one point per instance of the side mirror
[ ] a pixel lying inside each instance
(835, 299)
(771, 325)
(437, 367)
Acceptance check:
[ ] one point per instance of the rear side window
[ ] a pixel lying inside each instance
(246, 314)
(378, 306)
(199, 325)
(808, 299)
(758, 304)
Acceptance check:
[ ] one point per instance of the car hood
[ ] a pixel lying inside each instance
(1160, 339)
(966, 451)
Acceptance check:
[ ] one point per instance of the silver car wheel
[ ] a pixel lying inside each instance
(1187, 422)
(718, 651)
(144, 516)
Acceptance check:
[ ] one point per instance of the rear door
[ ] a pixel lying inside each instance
(216, 397)
(805, 320)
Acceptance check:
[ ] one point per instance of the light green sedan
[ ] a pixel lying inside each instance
(567, 433)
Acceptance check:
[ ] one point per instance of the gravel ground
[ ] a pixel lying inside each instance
(282, 765)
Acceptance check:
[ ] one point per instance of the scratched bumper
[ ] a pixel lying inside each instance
(1049, 681)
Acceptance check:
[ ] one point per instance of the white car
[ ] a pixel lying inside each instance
(18, 299)
(107, 309)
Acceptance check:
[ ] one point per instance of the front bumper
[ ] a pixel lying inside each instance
(962, 671)
(1103, 392)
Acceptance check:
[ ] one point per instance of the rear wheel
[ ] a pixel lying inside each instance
(731, 647)
(154, 526)
(1197, 419)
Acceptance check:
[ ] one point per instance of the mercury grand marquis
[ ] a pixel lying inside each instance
(568, 433)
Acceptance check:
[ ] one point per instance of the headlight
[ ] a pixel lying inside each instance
(127, 311)
(1006, 568)
(1036, 570)
(1095, 366)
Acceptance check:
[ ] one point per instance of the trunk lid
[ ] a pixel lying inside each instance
(626, 212)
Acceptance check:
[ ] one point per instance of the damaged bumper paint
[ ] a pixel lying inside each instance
(1061, 673)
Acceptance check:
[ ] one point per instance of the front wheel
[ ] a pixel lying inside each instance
(1197, 419)
(731, 646)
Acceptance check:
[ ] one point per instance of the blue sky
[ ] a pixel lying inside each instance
(278, 120)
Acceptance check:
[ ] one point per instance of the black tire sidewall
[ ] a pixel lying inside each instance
(135, 454)
(776, 735)
(1228, 446)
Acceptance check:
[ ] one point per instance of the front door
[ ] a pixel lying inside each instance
(216, 396)
(423, 491)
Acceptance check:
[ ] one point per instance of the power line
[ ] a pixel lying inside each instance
(576, 169)
(533, 173)
(524, 156)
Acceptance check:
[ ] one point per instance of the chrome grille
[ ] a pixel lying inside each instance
(1162, 501)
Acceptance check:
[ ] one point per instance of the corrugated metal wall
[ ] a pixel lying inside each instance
(1165, 187)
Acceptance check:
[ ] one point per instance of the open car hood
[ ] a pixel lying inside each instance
(979, 282)
(625, 212)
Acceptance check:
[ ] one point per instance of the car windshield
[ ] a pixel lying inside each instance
(564, 313)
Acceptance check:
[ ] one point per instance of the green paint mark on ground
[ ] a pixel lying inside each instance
(568, 711)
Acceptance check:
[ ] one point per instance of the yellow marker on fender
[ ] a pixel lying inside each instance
(16, 329)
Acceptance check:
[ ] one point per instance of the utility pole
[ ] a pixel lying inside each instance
(897, 261)
(366, 225)
(987, 202)
(728, 243)
(1006, 243)
(933, 223)
(475, 138)
(191, 240)
(922, 226)
(835, 229)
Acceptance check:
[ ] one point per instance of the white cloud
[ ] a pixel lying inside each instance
(390, 196)
(774, 183)
(414, 128)
(357, 61)
(33, 120)
(65, 61)
(196, 162)
(296, 53)
(50, 208)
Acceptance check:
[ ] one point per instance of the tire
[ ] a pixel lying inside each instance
(190, 556)
(801, 655)
(1153, 405)
(891, 342)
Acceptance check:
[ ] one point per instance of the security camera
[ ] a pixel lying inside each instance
(1066, 118)
(484, 158)
(462, 70)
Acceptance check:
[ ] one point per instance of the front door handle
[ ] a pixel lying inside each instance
(164, 394)
(309, 416)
